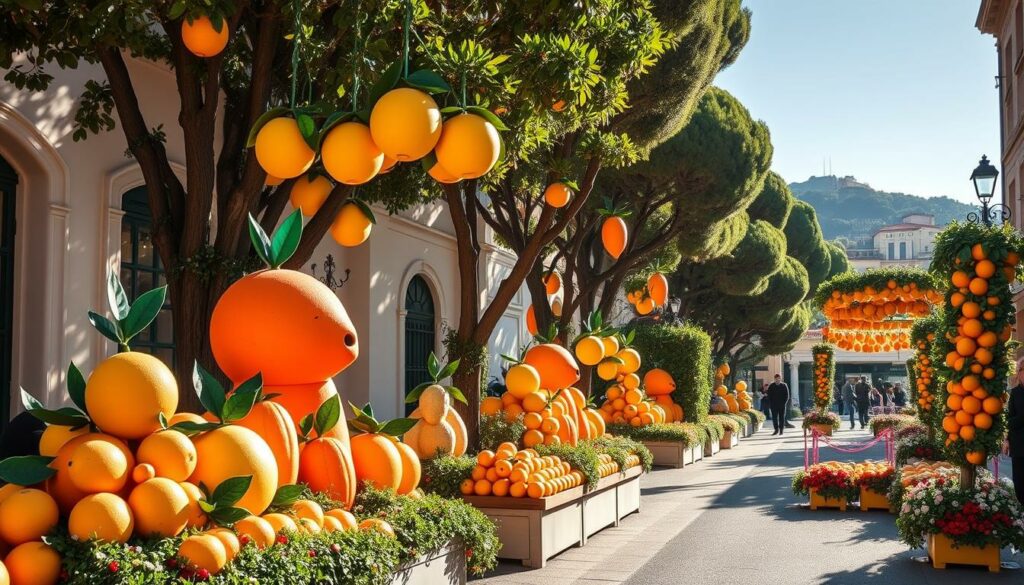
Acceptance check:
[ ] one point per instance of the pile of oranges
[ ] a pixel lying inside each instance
(924, 372)
(824, 375)
(976, 392)
(625, 405)
(509, 471)
(540, 393)
(652, 296)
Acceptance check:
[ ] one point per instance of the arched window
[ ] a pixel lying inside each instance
(141, 271)
(8, 181)
(419, 333)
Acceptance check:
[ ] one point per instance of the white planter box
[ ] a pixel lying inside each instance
(533, 530)
(697, 453)
(712, 447)
(443, 567)
(672, 453)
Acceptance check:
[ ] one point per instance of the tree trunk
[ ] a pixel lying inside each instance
(968, 476)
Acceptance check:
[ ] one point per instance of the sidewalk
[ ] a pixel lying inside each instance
(732, 519)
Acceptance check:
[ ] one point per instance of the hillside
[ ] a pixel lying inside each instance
(848, 208)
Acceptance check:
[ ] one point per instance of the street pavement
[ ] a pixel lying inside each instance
(733, 519)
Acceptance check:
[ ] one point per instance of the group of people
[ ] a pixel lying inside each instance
(858, 398)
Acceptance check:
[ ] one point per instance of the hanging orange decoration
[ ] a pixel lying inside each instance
(613, 236)
(202, 38)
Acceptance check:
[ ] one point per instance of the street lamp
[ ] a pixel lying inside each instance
(984, 179)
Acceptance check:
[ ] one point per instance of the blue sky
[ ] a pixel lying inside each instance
(900, 94)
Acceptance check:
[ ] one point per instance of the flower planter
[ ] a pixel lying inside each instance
(712, 447)
(446, 566)
(729, 441)
(872, 500)
(823, 502)
(757, 427)
(697, 452)
(533, 530)
(822, 428)
(943, 552)
(670, 453)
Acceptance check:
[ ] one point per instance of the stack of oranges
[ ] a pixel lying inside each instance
(824, 375)
(924, 371)
(975, 392)
(629, 405)
(509, 471)
(607, 466)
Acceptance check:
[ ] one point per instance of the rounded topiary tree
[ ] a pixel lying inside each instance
(824, 375)
(977, 264)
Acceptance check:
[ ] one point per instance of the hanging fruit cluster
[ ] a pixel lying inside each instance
(866, 341)
(824, 375)
(926, 382)
(540, 393)
(652, 296)
(977, 264)
(742, 396)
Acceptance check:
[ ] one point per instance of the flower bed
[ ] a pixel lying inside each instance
(369, 557)
(912, 474)
(917, 447)
(831, 480)
(890, 421)
(987, 514)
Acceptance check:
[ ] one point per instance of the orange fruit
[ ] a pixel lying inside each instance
(274, 425)
(978, 286)
(308, 509)
(630, 360)
(308, 195)
(203, 551)
(301, 399)
(27, 514)
(142, 472)
(351, 227)
(134, 414)
(281, 522)
(557, 195)
(325, 465)
(100, 463)
(532, 420)
(349, 154)
(196, 516)
(332, 524)
(960, 279)
(532, 438)
(963, 418)
(490, 405)
(966, 346)
(33, 563)
(482, 487)
(522, 379)
(54, 437)
(406, 124)
(281, 150)
(950, 425)
(976, 457)
(985, 269)
(589, 350)
(256, 529)
(971, 310)
(657, 286)
(160, 507)
(442, 175)
(967, 433)
(973, 328)
(234, 451)
(992, 405)
(376, 460)
(186, 417)
(971, 405)
(554, 364)
(469, 146)
(171, 454)
(105, 517)
(230, 541)
(379, 525)
(988, 339)
(306, 338)
(410, 468)
(272, 181)
(202, 39)
(983, 421)
(485, 458)
(614, 234)
(347, 520)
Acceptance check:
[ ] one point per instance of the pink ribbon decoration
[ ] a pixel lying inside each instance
(812, 456)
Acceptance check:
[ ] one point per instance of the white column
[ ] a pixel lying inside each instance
(794, 384)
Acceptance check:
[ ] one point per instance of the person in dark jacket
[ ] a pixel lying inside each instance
(1015, 436)
(778, 396)
(849, 401)
(862, 392)
(899, 396)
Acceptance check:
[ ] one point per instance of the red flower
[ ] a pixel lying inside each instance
(114, 566)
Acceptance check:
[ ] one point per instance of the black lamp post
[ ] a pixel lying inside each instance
(984, 179)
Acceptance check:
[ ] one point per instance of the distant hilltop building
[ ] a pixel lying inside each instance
(907, 243)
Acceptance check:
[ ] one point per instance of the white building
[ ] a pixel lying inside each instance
(69, 210)
(908, 243)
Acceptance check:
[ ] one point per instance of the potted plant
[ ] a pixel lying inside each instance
(825, 422)
(829, 485)
(961, 525)
(874, 479)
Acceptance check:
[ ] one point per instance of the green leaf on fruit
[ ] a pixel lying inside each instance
(76, 386)
(398, 426)
(26, 470)
(116, 297)
(489, 116)
(260, 242)
(143, 311)
(287, 495)
(106, 328)
(327, 415)
(230, 491)
(209, 390)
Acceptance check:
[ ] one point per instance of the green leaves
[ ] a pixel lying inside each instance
(386, 82)
(213, 397)
(437, 373)
(210, 392)
(76, 386)
(428, 81)
(489, 116)
(287, 495)
(277, 250)
(364, 422)
(220, 505)
(66, 416)
(129, 319)
(26, 470)
(327, 415)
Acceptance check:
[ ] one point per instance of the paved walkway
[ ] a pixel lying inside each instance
(733, 519)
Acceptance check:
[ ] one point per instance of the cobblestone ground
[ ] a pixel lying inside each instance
(733, 519)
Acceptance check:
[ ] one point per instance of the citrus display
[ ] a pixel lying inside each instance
(469, 146)
(281, 150)
(160, 507)
(27, 515)
(136, 413)
(100, 463)
(351, 227)
(106, 517)
(234, 451)
(308, 195)
(614, 235)
(406, 124)
(349, 154)
(170, 453)
(202, 38)
(557, 195)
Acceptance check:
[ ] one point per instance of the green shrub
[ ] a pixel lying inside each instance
(728, 423)
(755, 415)
(443, 474)
(360, 557)
(495, 429)
(713, 429)
(689, 434)
(685, 353)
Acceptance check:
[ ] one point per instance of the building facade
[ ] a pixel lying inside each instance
(1004, 20)
(69, 211)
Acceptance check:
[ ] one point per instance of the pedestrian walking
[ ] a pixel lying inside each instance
(1015, 437)
(876, 397)
(899, 396)
(849, 401)
(838, 395)
(862, 393)
(778, 396)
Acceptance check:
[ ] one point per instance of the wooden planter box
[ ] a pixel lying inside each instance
(942, 553)
(729, 441)
(823, 502)
(823, 429)
(872, 500)
(712, 447)
(534, 530)
(446, 566)
(671, 453)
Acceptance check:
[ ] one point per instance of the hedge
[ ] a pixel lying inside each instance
(689, 434)
(755, 415)
(685, 353)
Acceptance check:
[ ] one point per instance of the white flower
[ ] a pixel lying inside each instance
(924, 509)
